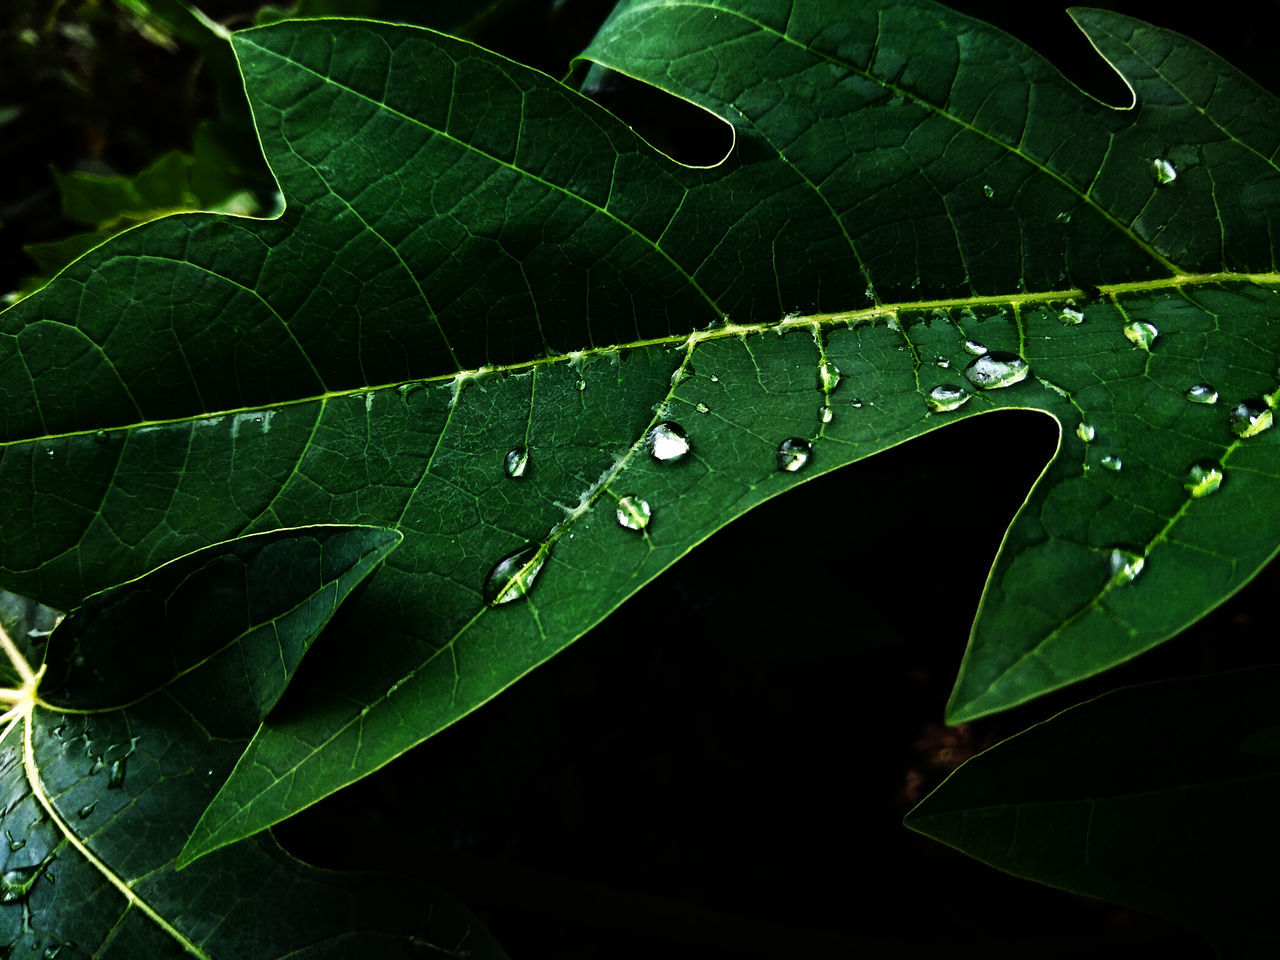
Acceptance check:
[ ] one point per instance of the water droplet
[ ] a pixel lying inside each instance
(1164, 171)
(633, 513)
(1203, 478)
(667, 441)
(997, 369)
(856, 403)
(516, 462)
(702, 408)
(1071, 316)
(714, 378)
(86, 811)
(1112, 462)
(828, 376)
(1141, 334)
(582, 384)
(513, 575)
(1125, 566)
(793, 454)
(51, 951)
(16, 884)
(115, 779)
(1202, 393)
(1250, 417)
(988, 191)
(14, 844)
(974, 347)
(1063, 217)
(96, 766)
(947, 397)
(1086, 432)
(825, 414)
(101, 436)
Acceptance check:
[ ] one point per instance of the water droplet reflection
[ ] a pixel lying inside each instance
(513, 575)
(793, 454)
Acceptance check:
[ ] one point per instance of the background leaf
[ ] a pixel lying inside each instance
(474, 260)
(1142, 797)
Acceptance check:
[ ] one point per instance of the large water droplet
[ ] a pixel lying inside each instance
(1164, 171)
(17, 883)
(1141, 334)
(1086, 432)
(793, 454)
(1112, 462)
(513, 575)
(828, 376)
(115, 779)
(1250, 417)
(1203, 478)
(1125, 565)
(516, 462)
(1071, 316)
(667, 441)
(633, 513)
(947, 397)
(1201, 393)
(996, 369)
(974, 347)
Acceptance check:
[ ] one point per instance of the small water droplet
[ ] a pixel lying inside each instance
(1086, 432)
(996, 369)
(51, 951)
(855, 402)
(825, 414)
(1125, 566)
(96, 766)
(974, 347)
(17, 883)
(1071, 316)
(1203, 478)
(1250, 417)
(1112, 462)
(582, 384)
(793, 454)
(513, 575)
(15, 844)
(633, 513)
(828, 376)
(1202, 393)
(101, 436)
(86, 811)
(516, 462)
(1141, 334)
(667, 441)
(115, 779)
(947, 397)
(1063, 217)
(988, 191)
(1164, 171)
(714, 378)
(702, 408)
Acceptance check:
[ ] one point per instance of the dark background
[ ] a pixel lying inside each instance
(720, 770)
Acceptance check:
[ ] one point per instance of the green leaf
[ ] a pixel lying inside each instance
(149, 692)
(1142, 797)
(475, 260)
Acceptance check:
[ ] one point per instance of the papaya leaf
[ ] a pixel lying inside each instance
(492, 317)
(111, 750)
(1144, 797)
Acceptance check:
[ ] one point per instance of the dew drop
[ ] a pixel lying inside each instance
(947, 397)
(1164, 171)
(582, 384)
(996, 369)
(115, 779)
(988, 191)
(86, 811)
(633, 513)
(793, 454)
(1250, 417)
(974, 347)
(1112, 462)
(1203, 478)
(702, 408)
(856, 403)
(1086, 432)
(1071, 316)
(1125, 566)
(516, 462)
(1201, 393)
(16, 884)
(667, 441)
(825, 414)
(1141, 334)
(828, 376)
(15, 844)
(513, 575)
